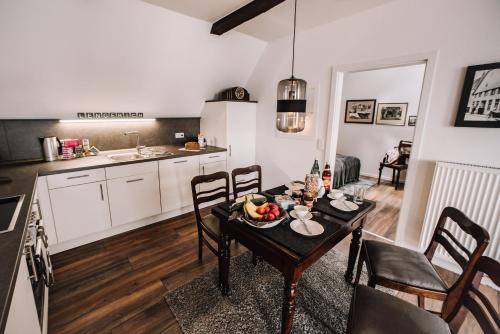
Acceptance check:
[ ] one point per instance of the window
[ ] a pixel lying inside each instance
(497, 102)
(489, 104)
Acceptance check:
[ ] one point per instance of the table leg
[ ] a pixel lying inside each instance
(290, 293)
(224, 261)
(353, 251)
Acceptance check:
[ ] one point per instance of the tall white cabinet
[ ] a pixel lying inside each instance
(231, 125)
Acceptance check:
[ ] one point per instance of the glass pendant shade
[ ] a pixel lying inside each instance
(291, 107)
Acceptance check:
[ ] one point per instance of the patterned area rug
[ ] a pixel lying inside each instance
(254, 303)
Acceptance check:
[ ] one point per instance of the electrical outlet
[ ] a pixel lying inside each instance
(179, 135)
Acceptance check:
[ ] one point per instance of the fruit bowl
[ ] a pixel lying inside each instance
(266, 215)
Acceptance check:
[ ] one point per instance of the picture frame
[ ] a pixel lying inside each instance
(360, 111)
(480, 100)
(412, 120)
(391, 114)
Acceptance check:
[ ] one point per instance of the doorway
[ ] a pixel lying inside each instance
(373, 108)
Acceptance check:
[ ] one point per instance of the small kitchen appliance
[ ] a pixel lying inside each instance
(50, 147)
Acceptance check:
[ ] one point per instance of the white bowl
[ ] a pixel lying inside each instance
(336, 194)
(301, 211)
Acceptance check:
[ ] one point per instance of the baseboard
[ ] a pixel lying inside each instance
(375, 176)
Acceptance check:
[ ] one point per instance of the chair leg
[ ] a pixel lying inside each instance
(397, 180)
(200, 247)
(371, 283)
(393, 175)
(359, 269)
(380, 173)
(254, 259)
(421, 302)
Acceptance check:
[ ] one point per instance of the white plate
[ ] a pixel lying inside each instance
(294, 215)
(313, 228)
(344, 205)
(250, 196)
(268, 225)
(295, 185)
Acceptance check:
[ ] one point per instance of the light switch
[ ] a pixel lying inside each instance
(179, 135)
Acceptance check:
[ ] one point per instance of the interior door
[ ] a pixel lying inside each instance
(133, 198)
(175, 182)
(80, 210)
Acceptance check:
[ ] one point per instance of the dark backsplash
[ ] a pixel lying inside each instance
(19, 139)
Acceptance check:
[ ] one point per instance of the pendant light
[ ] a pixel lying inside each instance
(291, 107)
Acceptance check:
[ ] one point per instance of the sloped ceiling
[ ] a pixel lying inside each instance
(277, 22)
(61, 57)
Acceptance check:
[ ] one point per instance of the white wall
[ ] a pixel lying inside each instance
(369, 142)
(59, 57)
(463, 32)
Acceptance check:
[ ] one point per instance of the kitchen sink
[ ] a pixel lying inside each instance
(126, 157)
(135, 156)
(9, 210)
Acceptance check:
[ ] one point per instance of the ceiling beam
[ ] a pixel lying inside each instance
(245, 13)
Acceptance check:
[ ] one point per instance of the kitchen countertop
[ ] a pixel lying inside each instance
(24, 178)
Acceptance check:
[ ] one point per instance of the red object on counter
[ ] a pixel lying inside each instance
(71, 142)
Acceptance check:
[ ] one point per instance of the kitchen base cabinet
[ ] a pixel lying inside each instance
(175, 182)
(23, 317)
(210, 168)
(134, 197)
(80, 210)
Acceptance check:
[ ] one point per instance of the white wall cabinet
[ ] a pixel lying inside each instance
(134, 197)
(231, 125)
(175, 182)
(23, 317)
(80, 210)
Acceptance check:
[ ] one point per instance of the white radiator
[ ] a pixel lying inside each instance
(474, 190)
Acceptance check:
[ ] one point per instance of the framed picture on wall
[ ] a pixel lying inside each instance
(392, 113)
(412, 120)
(480, 102)
(359, 111)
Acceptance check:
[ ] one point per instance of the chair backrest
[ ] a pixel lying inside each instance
(246, 185)
(464, 257)
(475, 302)
(404, 149)
(200, 197)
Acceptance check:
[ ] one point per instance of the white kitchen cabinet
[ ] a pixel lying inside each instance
(80, 210)
(134, 197)
(231, 125)
(23, 317)
(210, 168)
(175, 182)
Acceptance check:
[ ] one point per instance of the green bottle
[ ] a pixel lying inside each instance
(315, 168)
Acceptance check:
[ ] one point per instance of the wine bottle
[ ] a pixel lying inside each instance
(327, 178)
(315, 168)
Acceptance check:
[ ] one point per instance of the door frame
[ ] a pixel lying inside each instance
(335, 117)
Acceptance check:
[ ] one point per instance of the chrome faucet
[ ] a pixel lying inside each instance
(138, 146)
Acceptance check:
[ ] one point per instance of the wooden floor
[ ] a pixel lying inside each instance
(117, 285)
(384, 219)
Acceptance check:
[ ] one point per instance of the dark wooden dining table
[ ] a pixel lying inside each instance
(288, 251)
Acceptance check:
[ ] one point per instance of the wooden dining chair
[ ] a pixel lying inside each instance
(245, 185)
(404, 149)
(376, 312)
(208, 225)
(412, 272)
